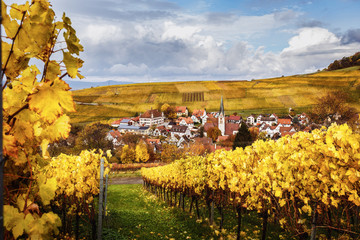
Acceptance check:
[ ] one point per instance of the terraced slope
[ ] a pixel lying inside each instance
(244, 97)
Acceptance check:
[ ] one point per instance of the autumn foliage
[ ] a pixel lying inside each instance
(35, 100)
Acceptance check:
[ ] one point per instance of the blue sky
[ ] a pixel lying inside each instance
(173, 40)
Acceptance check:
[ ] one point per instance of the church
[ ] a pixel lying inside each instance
(222, 122)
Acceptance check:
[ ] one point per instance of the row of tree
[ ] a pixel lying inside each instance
(345, 62)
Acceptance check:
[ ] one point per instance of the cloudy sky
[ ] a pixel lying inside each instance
(173, 40)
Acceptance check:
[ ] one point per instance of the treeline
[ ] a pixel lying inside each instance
(345, 62)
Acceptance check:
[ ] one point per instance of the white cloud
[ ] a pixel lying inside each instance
(171, 45)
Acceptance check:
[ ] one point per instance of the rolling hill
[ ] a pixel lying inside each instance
(245, 97)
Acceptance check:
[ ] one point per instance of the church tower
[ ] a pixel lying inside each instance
(221, 118)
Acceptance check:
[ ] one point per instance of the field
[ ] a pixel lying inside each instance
(244, 97)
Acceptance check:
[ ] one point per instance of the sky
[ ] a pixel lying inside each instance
(172, 40)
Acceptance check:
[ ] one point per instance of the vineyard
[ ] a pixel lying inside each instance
(193, 97)
(307, 184)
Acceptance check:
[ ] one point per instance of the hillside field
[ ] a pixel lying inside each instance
(244, 97)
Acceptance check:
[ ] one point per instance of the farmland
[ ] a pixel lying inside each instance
(244, 97)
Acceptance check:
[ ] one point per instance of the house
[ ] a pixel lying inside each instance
(161, 131)
(258, 118)
(266, 120)
(181, 111)
(145, 130)
(185, 122)
(151, 117)
(180, 131)
(126, 122)
(287, 131)
(231, 129)
(116, 123)
(199, 115)
(154, 144)
(251, 120)
(304, 119)
(115, 137)
(286, 122)
(183, 141)
(234, 119)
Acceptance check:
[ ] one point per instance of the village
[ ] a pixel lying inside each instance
(193, 127)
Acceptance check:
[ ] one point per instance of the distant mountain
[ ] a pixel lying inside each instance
(345, 62)
(77, 85)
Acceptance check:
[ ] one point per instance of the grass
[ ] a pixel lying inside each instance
(134, 213)
(297, 91)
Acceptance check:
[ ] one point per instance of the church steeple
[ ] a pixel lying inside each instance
(221, 118)
(222, 111)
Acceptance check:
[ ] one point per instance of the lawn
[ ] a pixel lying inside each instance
(134, 213)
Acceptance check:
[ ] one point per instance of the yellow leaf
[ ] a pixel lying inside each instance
(14, 220)
(9, 145)
(72, 64)
(47, 190)
(44, 146)
(50, 100)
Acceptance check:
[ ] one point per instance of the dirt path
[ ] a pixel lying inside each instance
(125, 180)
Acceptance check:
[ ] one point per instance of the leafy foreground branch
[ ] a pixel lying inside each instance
(41, 194)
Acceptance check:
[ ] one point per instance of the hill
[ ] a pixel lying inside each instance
(245, 97)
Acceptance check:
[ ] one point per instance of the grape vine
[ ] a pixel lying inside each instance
(294, 179)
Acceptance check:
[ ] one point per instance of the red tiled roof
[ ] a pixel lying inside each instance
(117, 122)
(285, 129)
(222, 138)
(230, 128)
(148, 113)
(198, 112)
(234, 118)
(180, 109)
(284, 120)
(209, 125)
(115, 134)
(204, 140)
(152, 141)
(283, 134)
(135, 119)
(212, 148)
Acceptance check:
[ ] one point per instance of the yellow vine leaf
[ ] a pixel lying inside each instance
(14, 220)
(51, 99)
(9, 145)
(47, 188)
(72, 64)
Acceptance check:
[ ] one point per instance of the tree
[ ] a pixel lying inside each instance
(169, 111)
(213, 133)
(170, 153)
(243, 137)
(35, 99)
(141, 152)
(127, 154)
(93, 136)
(333, 105)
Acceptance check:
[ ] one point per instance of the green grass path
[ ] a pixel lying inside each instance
(136, 214)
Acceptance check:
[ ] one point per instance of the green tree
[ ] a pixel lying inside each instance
(243, 137)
